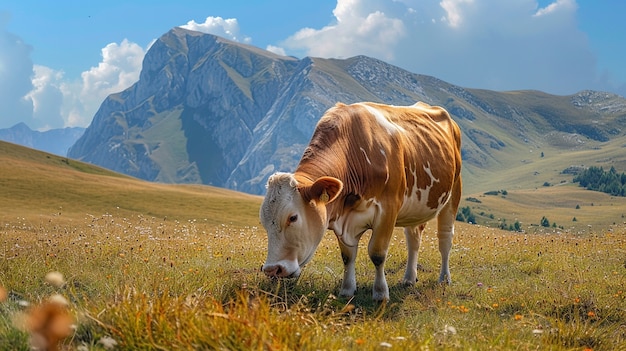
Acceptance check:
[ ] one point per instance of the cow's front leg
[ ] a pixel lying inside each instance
(377, 249)
(348, 255)
(413, 239)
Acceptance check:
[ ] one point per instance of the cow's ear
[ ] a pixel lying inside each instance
(325, 189)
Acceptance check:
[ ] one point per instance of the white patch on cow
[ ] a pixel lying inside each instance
(415, 209)
(350, 225)
(386, 165)
(383, 121)
(433, 180)
(443, 199)
(366, 158)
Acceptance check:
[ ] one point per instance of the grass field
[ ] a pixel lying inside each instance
(159, 267)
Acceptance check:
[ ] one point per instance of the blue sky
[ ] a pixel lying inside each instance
(60, 59)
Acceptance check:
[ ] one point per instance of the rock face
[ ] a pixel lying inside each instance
(208, 110)
(54, 141)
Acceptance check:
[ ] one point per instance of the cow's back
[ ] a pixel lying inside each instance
(405, 157)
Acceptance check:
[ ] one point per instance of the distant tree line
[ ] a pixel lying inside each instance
(596, 178)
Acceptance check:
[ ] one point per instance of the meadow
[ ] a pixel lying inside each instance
(144, 266)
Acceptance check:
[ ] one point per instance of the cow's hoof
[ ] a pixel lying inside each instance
(347, 292)
(409, 282)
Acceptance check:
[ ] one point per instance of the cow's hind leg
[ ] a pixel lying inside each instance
(348, 255)
(445, 231)
(413, 239)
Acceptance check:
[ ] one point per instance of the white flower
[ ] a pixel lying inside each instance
(108, 342)
(59, 299)
(55, 279)
(450, 329)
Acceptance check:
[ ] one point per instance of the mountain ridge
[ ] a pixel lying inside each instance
(208, 110)
(56, 141)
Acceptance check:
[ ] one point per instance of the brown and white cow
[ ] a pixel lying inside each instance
(368, 166)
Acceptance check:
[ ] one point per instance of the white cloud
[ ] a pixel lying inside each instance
(358, 30)
(43, 98)
(118, 70)
(46, 97)
(226, 28)
(559, 5)
(491, 44)
(276, 49)
(16, 70)
(454, 10)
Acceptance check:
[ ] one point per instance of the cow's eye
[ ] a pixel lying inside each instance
(293, 218)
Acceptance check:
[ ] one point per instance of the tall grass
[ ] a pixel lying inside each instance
(159, 267)
(148, 283)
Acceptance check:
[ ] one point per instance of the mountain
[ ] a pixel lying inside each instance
(208, 110)
(55, 141)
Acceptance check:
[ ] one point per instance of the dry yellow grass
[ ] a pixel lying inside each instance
(151, 266)
(594, 211)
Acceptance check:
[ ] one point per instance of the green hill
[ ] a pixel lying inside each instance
(35, 184)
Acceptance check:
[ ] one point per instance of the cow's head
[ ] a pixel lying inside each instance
(295, 219)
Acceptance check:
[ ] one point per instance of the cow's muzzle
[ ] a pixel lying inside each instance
(279, 271)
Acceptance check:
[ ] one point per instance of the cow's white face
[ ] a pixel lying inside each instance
(295, 219)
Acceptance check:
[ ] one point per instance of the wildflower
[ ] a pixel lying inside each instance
(591, 314)
(59, 299)
(449, 329)
(359, 341)
(55, 279)
(518, 317)
(495, 305)
(107, 342)
(49, 323)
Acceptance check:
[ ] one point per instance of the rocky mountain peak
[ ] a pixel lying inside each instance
(208, 110)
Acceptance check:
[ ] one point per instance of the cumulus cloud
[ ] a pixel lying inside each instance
(276, 49)
(118, 70)
(226, 28)
(359, 28)
(16, 72)
(44, 98)
(492, 44)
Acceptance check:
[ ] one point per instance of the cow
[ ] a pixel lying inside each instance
(367, 166)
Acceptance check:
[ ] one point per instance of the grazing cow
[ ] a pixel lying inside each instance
(368, 166)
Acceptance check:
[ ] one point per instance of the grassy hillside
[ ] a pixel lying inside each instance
(141, 266)
(39, 185)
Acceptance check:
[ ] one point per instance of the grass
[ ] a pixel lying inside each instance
(154, 284)
(594, 211)
(152, 267)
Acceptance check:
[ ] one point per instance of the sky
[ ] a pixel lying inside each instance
(60, 59)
